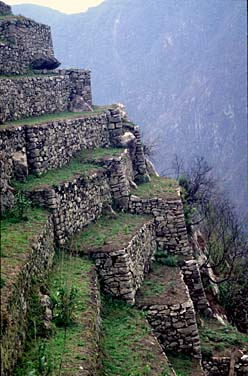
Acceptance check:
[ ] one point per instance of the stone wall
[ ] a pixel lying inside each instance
(37, 95)
(21, 41)
(74, 204)
(14, 305)
(171, 314)
(192, 278)
(220, 366)
(121, 272)
(12, 143)
(120, 176)
(170, 225)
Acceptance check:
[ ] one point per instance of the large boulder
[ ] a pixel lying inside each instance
(5, 10)
(45, 62)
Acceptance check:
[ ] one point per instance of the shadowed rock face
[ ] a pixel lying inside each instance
(5, 10)
(45, 62)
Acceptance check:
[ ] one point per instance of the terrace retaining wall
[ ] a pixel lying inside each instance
(74, 204)
(14, 305)
(121, 272)
(31, 96)
(169, 220)
(220, 366)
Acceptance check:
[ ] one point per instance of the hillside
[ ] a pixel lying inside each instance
(180, 68)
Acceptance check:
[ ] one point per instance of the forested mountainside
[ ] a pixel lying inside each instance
(180, 68)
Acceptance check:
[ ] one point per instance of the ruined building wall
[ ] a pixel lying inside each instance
(21, 41)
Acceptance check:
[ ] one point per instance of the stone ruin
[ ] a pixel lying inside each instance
(31, 87)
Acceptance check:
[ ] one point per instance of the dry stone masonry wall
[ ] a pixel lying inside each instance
(170, 225)
(37, 95)
(122, 271)
(220, 366)
(21, 41)
(74, 204)
(14, 307)
(192, 278)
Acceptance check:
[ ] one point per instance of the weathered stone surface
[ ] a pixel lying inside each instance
(192, 278)
(21, 40)
(20, 165)
(74, 204)
(220, 366)
(171, 313)
(37, 95)
(171, 232)
(122, 271)
(5, 10)
(44, 62)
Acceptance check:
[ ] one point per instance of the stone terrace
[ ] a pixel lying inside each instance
(169, 309)
(122, 247)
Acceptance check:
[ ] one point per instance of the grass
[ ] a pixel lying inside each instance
(79, 344)
(43, 119)
(108, 232)
(57, 176)
(158, 187)
(128, 345)
(216, 338)
(162, 285)
(182, 364)
(153, 288)
(16, 240)
(99, 153)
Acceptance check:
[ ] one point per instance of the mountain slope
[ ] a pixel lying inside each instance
(180, 68)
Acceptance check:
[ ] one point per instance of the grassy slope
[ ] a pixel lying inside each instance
(16, 241)
(128, 346)
(79, 347)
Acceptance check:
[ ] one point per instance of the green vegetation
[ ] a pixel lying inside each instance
(153, 288)
(127, 345)
(58, 116)
(182, 364)
(157, 187)
(59, 175)
(16, 239)
(168, 260)
(64, 354)
(113, 231)
(216, 338)
(18, 212)
(94, 154)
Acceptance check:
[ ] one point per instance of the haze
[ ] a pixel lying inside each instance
(65, 6)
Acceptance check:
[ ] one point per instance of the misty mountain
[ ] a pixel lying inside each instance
(178, 65)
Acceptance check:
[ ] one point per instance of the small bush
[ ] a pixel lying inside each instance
(168, 260)
(65, 304)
